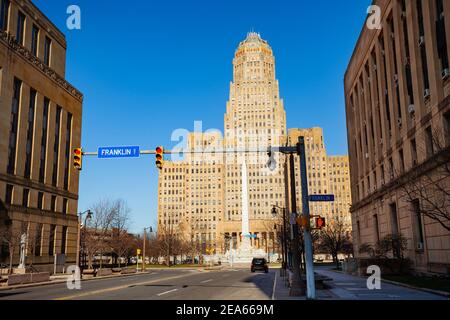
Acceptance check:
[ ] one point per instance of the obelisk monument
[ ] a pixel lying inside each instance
(245, 243)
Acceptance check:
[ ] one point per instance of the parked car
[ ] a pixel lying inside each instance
(259, 264)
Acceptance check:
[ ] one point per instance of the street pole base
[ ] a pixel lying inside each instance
(297, 289)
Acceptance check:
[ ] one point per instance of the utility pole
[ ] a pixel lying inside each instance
(143, 253)
(310, 281)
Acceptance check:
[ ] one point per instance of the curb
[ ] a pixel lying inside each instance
(39, 284)
(401, 284)
(437, 292)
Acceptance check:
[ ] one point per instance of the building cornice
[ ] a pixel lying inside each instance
(42, 213)
(9, 41)
(16, 180)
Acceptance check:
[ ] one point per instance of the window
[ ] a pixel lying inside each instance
(394, 219)
(417, 219)
(30, 133)
(65, 206)
(56, 146)
(44, 141)
(47, 50)
(25, 197)
(64, 240)
(429, 141)
(40, 204)
(4, 13)
(401, 161)
(14, 121)
(414, 152)
(67, 154)
(9, 193)
(358, 230)
(38, 240)
(376, 228)
(53, 204)
(441, 38)
(20, 28)
(409, 85)
(35, 40)
(51, 240)
(423, 50)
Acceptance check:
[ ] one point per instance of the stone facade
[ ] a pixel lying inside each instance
(40, 124)
(398, 117)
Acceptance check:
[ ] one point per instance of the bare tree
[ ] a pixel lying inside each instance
(428, 186)
(166, 238)
(334, 239)
(97, 230)
(120, 240)
(12, 236)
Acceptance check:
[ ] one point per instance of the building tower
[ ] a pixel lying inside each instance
(255, 118)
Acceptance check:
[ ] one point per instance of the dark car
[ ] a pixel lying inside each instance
(259, 264)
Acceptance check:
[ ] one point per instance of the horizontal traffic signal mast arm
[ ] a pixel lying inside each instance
(285, 150)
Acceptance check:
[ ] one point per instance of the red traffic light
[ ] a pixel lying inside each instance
(77, 151)
(159, 157)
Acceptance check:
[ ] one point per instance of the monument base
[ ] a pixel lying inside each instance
(244, 254)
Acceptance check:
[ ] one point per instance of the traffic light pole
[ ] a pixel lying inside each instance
(310, 281)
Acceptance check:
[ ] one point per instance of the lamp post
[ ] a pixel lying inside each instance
(284, 244)
(80, 219)
(143, 251)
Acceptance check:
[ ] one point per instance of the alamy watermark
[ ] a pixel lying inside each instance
(74, 280)
(374, 19)
(73, 22)
(374, 280)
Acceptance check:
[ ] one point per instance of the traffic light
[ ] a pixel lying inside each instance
(159, 157)
(77, 158)
(320, 223)
(271, 163)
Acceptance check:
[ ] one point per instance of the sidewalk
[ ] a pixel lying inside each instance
(349, 287)
(281, 290)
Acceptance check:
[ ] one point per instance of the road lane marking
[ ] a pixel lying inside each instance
(274, 286)
(90, 293)
(206, 281)
(166, 292)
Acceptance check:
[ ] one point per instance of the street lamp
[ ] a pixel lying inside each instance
(284, 244)
(143, 251)
(80, 217)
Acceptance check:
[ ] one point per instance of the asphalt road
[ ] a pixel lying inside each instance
(175, 284)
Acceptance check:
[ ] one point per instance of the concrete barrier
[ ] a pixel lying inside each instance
(15, 279)
(104, 272)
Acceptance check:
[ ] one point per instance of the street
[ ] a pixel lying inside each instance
(226, 284)
(173, 284)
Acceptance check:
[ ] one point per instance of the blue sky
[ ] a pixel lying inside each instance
(148, 67)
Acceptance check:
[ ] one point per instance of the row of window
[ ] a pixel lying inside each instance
(5, 13)
(390, 53)
(31, 134)
(40, 199)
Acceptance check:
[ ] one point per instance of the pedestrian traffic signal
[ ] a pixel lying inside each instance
(77, 158)
(159, 157)
(320, 223)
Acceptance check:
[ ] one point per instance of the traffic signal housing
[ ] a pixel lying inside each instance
(78, 158)
(159, 157)
(320, 223)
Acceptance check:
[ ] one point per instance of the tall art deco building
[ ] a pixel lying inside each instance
(200, 196)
